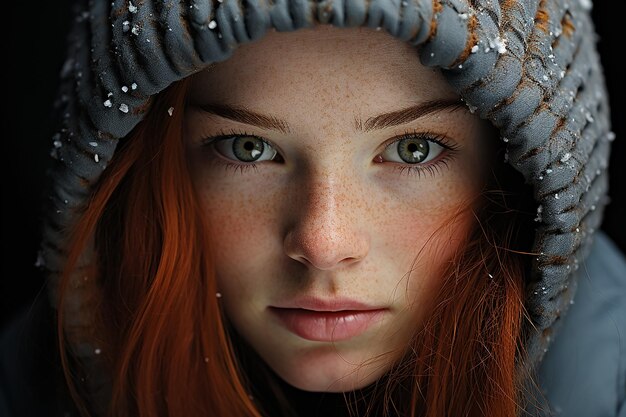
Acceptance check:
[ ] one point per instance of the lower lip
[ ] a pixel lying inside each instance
(327, 326)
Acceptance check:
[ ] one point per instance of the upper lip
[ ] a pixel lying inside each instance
(327, 304)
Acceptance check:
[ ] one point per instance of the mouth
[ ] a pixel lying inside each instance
(327, 326)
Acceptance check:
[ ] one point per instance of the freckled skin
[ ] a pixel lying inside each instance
(329, 221)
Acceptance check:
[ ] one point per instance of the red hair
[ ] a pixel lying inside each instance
(166, 341)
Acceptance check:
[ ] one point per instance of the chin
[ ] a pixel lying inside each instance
(336, 375)
(341, 385)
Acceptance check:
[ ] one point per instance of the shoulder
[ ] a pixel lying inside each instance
(28, 366)
(583, 374)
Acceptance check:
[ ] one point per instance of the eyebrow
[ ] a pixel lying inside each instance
(397, 117)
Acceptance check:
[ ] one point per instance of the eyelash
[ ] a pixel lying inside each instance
(431, 168)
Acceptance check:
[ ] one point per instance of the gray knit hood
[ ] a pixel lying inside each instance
(528, 66)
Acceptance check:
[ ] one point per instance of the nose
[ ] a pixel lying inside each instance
(328, 232)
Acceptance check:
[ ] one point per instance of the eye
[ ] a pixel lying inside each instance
(244, 148)
(417, 148)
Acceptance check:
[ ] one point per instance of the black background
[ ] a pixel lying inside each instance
(34, 51)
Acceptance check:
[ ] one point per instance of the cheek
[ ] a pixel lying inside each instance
(239, 227)
(242, 228)
(423, 233)
(426, 212)
(436, 252)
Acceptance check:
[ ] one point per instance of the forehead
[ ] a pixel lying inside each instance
(325, 66)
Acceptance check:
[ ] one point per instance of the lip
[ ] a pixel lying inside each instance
(327, 320)
(320, 304)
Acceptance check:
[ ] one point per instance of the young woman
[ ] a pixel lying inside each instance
(301, 209)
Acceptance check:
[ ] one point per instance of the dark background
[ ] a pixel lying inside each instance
(34, 51)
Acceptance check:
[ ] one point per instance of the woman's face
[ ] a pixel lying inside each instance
(316, 245)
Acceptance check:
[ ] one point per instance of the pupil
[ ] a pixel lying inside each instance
(248, 146)
(412, 147)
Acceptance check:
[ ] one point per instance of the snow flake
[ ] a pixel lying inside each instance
(123, 108)
(556, 196)
(131, 7)
(548, 171)
(96, 158)
(206, 359)
(539, 211)
(135, 30)
(110, 94)
(133, 86)
(125, 89)
(490, 276)
(125, 26)
(218, 294)
(505, 139)
(56, 140)
(170, 111)
(566, 157)
(498, 44)
(474, 49)
(586, 4)
(108, 103)
(610, 136)
(212, 24)
(94, 144)
(463, 16)
(97, 351)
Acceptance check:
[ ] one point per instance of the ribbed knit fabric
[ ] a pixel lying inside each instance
(528, 66)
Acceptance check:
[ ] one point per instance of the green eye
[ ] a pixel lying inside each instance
(245, 148)
(413, 150)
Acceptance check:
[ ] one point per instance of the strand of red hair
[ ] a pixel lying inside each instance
(158, 323)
